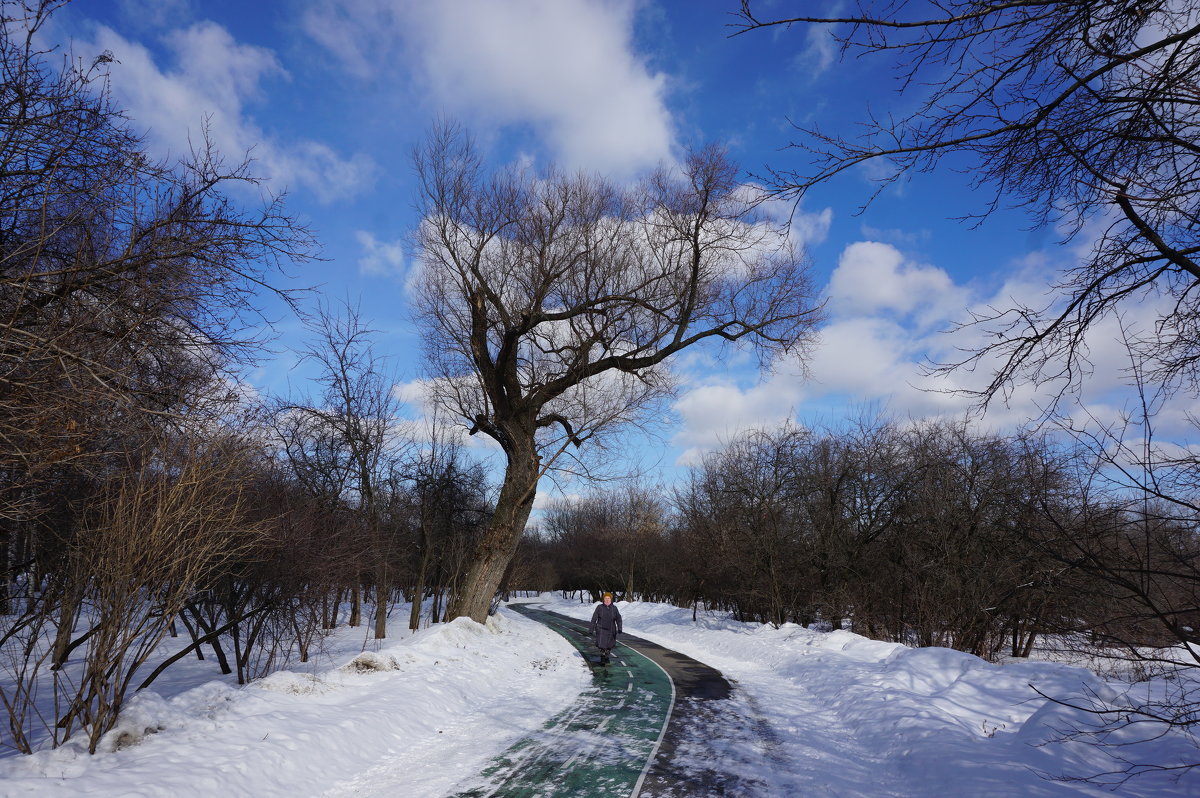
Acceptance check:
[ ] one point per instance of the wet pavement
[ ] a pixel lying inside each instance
(654, 722)
(602, 745)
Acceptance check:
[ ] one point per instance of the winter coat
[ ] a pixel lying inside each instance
(606, 623)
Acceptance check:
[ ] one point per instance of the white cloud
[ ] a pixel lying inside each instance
(819, 52)
(415, 393)
(863, 356)
(892, 318)
(885, 315)
(213, 79)
(888, 321)
(565, 67)
(805, 228)
(811, 228)
(380, 258)
(873, 278)
(714, 413)
(425, 419)
(548, 494)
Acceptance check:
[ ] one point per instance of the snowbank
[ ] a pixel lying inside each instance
(854, 716)
(813, 713)
(418, 714)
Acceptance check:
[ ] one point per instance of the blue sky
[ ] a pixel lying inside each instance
(333, 94)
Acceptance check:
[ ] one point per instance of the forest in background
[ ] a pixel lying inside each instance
(927, 534)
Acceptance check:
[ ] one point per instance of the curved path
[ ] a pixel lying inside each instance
(622, 735)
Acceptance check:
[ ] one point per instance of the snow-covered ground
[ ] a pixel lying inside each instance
(850, 716)
(448, 699)
(842, 716)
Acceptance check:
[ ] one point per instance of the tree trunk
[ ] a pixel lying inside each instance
(499, 542)
(418, 597)
(7, 574)
(192, 633)
(333, 609)
(383, 588)
(68, 616)
(382, 596)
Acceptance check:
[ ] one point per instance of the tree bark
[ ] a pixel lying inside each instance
(503, 533)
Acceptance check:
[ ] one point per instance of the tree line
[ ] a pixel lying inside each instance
(927, 533)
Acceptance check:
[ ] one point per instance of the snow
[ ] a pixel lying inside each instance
(421, 713)
(820, 713)
(850, 716)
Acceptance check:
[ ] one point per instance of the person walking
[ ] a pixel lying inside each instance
(606, 625)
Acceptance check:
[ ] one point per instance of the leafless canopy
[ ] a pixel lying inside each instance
(125, 284)
(561, 296)
(551, 303)
(1077, 111)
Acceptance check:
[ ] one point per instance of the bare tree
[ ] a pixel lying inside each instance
(746, 508)
(550, 305)
(448, 498)
(605, 541)
(129, 299)
(1130, 556)
(923, 535)
(128, 288)
(159, 532)
(356, 417)
(1132, 545)
(1076, 111)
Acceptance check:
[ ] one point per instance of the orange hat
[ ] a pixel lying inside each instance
(607, 595)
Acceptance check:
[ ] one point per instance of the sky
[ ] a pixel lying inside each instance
(331, 96)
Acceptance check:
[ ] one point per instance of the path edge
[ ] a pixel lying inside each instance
(637, 788)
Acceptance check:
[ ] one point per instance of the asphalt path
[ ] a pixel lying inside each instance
(650, 725)
(601, 745)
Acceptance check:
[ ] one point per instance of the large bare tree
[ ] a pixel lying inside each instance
(550, 304)
(130, 294)
(1080, 112)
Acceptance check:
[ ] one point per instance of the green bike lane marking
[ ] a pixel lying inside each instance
(602, 745)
